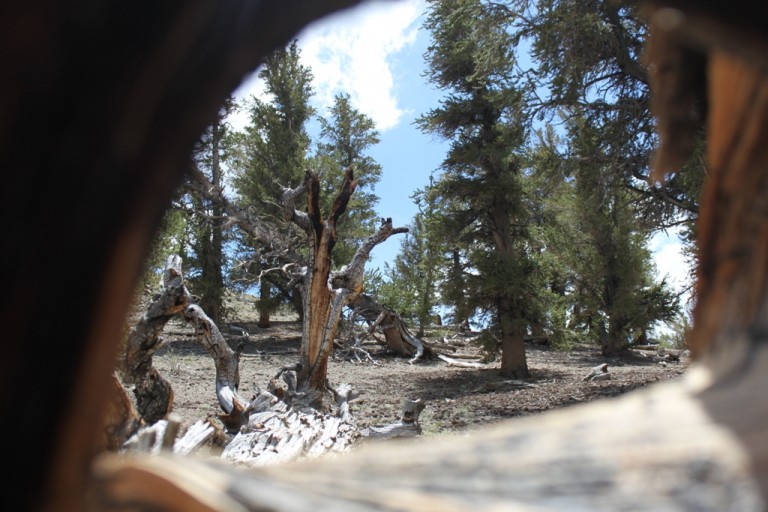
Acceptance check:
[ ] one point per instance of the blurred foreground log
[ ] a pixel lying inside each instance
(657, 449)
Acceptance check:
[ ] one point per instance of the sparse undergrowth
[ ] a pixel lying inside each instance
(456, 398)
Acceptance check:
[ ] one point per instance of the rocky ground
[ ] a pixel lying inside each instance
(456, 398)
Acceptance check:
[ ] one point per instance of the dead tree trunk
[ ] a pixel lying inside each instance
(325, 294)
(154, 396)
(397, 336)
(227, 363)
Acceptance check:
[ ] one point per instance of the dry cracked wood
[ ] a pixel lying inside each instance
(658, 449)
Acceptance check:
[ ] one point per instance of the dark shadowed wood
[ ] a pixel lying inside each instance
(91, 145)
(100, 104)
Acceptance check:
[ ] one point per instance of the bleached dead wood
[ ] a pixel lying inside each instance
(465, 356)
(460, 364)
(194, 438)
(398, 337)
(227, 363)
(604, 456)
(276, 433)
(163, 435)
(154, 396)
(407, 426)
(598, 372)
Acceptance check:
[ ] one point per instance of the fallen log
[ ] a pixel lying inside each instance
(398, 337)
(407, 426)
(460, 364)
(276, 433)
(599, 372)
(607, 455)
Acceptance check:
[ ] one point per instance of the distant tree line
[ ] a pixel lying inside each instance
(537, 223)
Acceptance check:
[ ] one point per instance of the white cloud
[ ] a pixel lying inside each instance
(352, 52)
(670, 261)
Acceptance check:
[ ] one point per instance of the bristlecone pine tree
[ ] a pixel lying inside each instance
(472, 59)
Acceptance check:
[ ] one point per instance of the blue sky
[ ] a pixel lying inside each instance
(374, 53)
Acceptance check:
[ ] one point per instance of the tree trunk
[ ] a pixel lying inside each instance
(614, 340)
(397, 336)
(265, 304)
(326, 294)
(154, 396)
(513, 361)
(227, 363)
(322, 307)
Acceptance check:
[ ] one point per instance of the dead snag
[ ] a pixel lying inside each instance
(154, 396)
(398, 337)
(407, 426)
(227, 363)
(326, 293)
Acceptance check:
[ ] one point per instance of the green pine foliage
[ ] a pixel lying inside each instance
(546, 236)
(345, 137)
(486, 216)
(410, 285)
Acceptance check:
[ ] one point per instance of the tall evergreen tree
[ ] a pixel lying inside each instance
(273, 155)
(412, 281)
(206, 217)
(613, 263)
(472, 60)
(588, 62)
(346, 135)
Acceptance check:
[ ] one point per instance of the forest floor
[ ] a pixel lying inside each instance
(456, 399)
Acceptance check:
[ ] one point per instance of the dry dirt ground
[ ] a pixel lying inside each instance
(456, 398)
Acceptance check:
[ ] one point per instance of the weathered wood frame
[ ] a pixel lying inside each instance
(101, 143)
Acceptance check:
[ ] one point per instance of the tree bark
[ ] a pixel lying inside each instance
(398, 337)
(121, 419)
(265, 297)
(325, 294)
(154, 396)
(227, 362)
(322, 306)
(513, 361)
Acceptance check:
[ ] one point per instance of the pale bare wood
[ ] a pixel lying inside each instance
(656, 449)
(407, 426)
(227, 363)
(597, 371)
(276, 433)
(154, 395)
(460, 364)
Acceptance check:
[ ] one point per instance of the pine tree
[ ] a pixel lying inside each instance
(206, 218)
(615, 288)
(273, 155)
(588, 62)
(346, 135)
(472, 60)
(412, 282)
